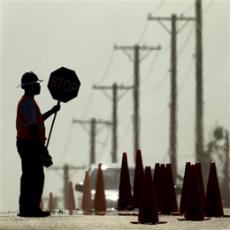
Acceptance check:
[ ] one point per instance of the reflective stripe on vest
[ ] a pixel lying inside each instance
(22, 128)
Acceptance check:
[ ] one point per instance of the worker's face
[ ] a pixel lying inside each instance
(37, 88)
(33, 89)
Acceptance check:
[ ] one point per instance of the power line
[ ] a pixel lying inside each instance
(143, 32)
(67, 144)
(186, 42)
(108, 67)
(187, 74)
(88, 105)
(156, 88)
(209, 6)
(158, 7)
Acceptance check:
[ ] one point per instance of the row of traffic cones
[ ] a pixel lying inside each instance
(150, 195)
(157, 195)
(195, 205)
(99, 202)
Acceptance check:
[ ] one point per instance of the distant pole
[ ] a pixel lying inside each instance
(65, 186)
(199, 82)
(226, 182)
(92, 159)
(65, 169)
(93, 133)
(173, 83)
(173, 107)
(114, 121)
(114, 124)
(136, 97)
(136, 89)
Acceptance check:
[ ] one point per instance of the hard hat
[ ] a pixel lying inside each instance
(29, 78)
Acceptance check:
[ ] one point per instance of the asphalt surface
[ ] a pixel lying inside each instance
(111, 221)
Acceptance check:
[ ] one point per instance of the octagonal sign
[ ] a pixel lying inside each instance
(63, 84)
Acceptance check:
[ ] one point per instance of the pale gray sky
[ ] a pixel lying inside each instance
(44, 35)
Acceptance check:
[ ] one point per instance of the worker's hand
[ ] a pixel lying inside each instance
(46, 158)
(56, 108)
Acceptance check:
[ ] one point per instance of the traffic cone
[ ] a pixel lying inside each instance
(125, 200)
(170, 201)
(200, 176)
(185, 188)
(195, 207)
(99, 204)
(213, 203)
(86, 199)
(138, 178)
(148, 206)
(156, 184)
(70, 198)
(162, 191)
(51, 202)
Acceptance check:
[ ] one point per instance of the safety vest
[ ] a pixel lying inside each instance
(23, 132)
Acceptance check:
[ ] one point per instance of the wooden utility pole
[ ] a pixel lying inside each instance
(136, 88)
(173, 92)
(226, 170)
(93, 133)
(199, 81)
(114, 121)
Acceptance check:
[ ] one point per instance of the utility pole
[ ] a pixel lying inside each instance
(136, 87)
(199, 81)
(65, 168)
(114, 122)
(173, 92)
(226, 170)
(93, 133)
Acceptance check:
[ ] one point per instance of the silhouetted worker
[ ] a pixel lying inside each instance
(31, 147)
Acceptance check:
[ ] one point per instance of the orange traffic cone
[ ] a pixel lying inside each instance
(51, 202)
(86, 199)
(70, 198)
(125, 201)
(185, 188)
(156, 184)
(213, 203)
(162, 192)
(99, 204)
(200, 177)
(148, 206)
(195, 207)
(138, 178)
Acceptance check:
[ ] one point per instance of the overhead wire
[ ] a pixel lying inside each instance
(187, 74)
(147, 22)
(209, 6)
(158, 7)
(108, 67)
(67, 144)
(160, 83)
(185, 43)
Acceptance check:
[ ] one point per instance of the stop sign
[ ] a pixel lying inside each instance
(63, 84)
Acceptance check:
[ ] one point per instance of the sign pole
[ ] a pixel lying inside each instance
(51, 128)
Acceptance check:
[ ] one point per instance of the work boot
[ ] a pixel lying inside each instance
(34, 213)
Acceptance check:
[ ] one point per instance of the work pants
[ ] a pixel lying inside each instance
(32, 178)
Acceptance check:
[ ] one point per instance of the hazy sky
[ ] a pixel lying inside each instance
(43, 35)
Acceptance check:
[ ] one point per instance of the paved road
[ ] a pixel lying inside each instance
(108, 222)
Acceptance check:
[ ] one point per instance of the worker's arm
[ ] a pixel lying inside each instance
(55, 109)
